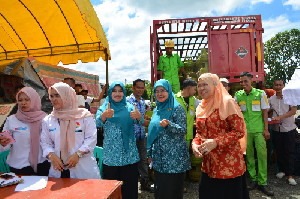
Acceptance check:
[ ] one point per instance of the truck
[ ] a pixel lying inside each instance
(225, 46)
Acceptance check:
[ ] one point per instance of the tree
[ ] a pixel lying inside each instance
(282, 56)
(128, 88)
(148, 90)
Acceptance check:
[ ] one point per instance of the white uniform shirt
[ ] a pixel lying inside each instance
(18, 157)
(80, 100)
(89, 100)
(280, 108)
(85, 140)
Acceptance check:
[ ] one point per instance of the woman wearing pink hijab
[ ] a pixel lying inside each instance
(25, 157)
(69, 136)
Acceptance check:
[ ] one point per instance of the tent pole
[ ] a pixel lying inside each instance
(106, 62)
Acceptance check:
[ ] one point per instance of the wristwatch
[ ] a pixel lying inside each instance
(79, 154)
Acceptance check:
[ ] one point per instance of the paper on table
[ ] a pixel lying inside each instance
(32, 183)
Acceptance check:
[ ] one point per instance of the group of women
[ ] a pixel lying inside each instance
(67, 136)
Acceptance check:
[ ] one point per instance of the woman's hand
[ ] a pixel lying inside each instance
(135, 114)
(4, 141)
(56, 162)
(164, 123)
(149, 160)
(207, 146)
(197, 153)
(73, 160)
(108, 113)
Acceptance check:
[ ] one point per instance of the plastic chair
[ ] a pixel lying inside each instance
(4, 168)
(98, 151)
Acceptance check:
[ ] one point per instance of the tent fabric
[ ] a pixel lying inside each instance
(24, 69)
(51, 31)
(291, 91)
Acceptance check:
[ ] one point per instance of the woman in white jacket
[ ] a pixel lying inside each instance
(25, 156)
(69, 136)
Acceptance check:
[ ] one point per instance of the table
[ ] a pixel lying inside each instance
(69, 188)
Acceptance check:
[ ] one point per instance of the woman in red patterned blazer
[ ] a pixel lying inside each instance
(220, 132)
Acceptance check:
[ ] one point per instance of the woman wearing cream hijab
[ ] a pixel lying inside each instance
(220, 128)
(69, 136)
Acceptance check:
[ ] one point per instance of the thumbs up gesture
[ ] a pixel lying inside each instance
(108, 113)
(135, 114)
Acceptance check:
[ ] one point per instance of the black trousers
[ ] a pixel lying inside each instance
(42, 169)
(285, 143)
(168, 185)
(128, 174)
(213, 188)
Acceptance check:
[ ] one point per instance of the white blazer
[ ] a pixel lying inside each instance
(85, 140)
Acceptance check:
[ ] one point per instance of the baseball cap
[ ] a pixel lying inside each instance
(224, 80)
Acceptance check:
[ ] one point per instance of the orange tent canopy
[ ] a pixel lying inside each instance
(51, 31)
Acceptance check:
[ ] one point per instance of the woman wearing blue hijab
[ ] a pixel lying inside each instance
(166, 145)
(120, 154)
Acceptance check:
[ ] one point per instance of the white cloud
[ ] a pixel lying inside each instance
(294, 3)
(128, 31)
(279, 24)
(177, 8)
(261, 1)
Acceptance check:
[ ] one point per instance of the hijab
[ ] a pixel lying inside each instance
(220, 99)
(34, 118)
(67, 117)
(121, 116)
(163, 110)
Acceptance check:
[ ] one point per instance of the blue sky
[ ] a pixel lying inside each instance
(269, 10)
(127, 23)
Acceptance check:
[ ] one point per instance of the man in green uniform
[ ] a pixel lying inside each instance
(168, 65)
(189, 103)
(254, 104)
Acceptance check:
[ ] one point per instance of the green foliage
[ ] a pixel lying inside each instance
(153, 106)
(148, 90)
(128, 88)
(282, 56)
(194, 68)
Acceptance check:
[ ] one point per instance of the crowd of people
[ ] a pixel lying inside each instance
(228, 132)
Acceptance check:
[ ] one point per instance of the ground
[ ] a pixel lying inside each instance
(281, 189)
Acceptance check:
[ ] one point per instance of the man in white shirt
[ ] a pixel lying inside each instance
(88, 100)
(283, 133)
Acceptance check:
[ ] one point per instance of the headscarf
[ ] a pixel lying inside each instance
(34, 118)
(121, 115)
(220, 99)
(163, 110)
(67, 117)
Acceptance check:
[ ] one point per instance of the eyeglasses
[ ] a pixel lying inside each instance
(160, 91)
(117, 91)
(202, 85)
